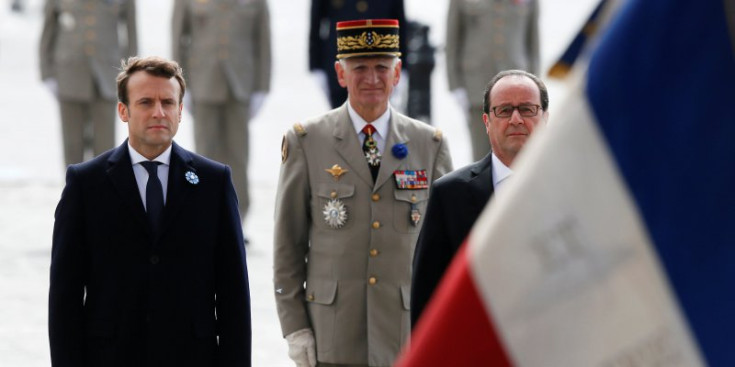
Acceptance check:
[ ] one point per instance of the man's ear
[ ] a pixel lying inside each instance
(397, 72)
(122, 111)
(340, 74)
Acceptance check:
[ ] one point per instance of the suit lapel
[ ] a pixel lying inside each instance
(348, 145)
(120, 172)
(390, 163)
(481, 182)
(178, 186)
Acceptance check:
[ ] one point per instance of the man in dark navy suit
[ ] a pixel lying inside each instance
(514, 103)
(148, 263)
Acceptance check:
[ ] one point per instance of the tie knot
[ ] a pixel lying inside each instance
(369, 129)
(151, 167)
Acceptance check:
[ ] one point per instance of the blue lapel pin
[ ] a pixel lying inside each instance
(192, 177)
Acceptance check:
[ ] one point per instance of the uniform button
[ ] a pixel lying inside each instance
(373, 252)
(376, 225)
(372, 280)
(223, 54)
(90, 35)
(154, 259)
(413, 198)
(89, 50)
(310, 298)
(375, 197)
(499, 39)
(90, 20)
(333, 194)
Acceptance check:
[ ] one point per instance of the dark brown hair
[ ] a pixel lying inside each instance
(153, 65)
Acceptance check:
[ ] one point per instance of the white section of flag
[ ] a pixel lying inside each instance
(564, 263)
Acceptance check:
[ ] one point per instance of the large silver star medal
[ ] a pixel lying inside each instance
(335, 213)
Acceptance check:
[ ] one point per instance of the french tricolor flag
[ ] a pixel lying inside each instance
(614, 243)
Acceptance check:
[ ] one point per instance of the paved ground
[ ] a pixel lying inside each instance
(31, 168)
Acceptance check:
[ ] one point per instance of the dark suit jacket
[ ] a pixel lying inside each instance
(121, 297)
(455, 202)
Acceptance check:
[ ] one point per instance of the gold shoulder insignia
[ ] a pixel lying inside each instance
(437, 135)
(300, 131)
(284, 149)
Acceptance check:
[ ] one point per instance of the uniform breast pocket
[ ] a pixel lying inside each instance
(409, 209)
(333, 205)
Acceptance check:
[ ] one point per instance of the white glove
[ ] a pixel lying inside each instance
(302, 348)
(257, 99)
(460, 95)
(52, 85)
(320, 78)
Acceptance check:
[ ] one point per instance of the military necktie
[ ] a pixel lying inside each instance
(153, 195)
(370, 147)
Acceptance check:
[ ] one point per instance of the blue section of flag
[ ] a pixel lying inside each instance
(662, 86)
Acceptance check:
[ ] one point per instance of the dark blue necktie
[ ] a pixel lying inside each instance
(153, 195)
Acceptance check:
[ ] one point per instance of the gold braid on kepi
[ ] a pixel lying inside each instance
(368, 37)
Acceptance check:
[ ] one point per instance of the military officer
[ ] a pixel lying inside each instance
(485, 37)
(323, 39)
(351, 195)
(224, 47)
(80, 51)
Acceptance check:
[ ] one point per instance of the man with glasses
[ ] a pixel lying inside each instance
(514, 103)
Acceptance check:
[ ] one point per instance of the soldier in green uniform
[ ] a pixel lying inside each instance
(80, 52)
(224, 47)
(353, 187)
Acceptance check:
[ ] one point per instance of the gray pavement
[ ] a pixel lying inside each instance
(32, 172)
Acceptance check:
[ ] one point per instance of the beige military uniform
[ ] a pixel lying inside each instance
(485, 37)
(81, 48)
(224, 48)
(357, 275)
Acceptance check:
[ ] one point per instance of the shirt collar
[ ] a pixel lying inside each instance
(135, 157)
(500, 171)
(380, 124)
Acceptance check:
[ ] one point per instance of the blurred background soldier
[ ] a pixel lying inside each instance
(485, 37)
(81, 48)
(323, 38)
(224, 47)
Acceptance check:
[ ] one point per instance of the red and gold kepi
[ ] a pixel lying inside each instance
(367, 37)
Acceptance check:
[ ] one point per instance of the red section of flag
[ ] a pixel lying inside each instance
(455, 329)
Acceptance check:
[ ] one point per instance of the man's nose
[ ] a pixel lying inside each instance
(372, 76)
(515, 117)
(158, 110)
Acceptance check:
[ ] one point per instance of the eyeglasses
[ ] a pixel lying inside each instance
(526, 110)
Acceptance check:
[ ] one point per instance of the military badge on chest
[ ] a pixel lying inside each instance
(412, 180)
(335, 211)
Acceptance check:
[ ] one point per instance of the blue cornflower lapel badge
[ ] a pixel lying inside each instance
(191, 177)
(400, 150)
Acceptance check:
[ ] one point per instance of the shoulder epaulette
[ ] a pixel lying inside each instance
(299, 129)
(437, 134)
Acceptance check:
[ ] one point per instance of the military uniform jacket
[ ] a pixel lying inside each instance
(221, 44)
(82, 48)
(357, 276)
(485, 37)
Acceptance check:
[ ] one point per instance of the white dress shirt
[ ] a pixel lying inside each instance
(380, 124)
(500, 171)
(141, 175)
